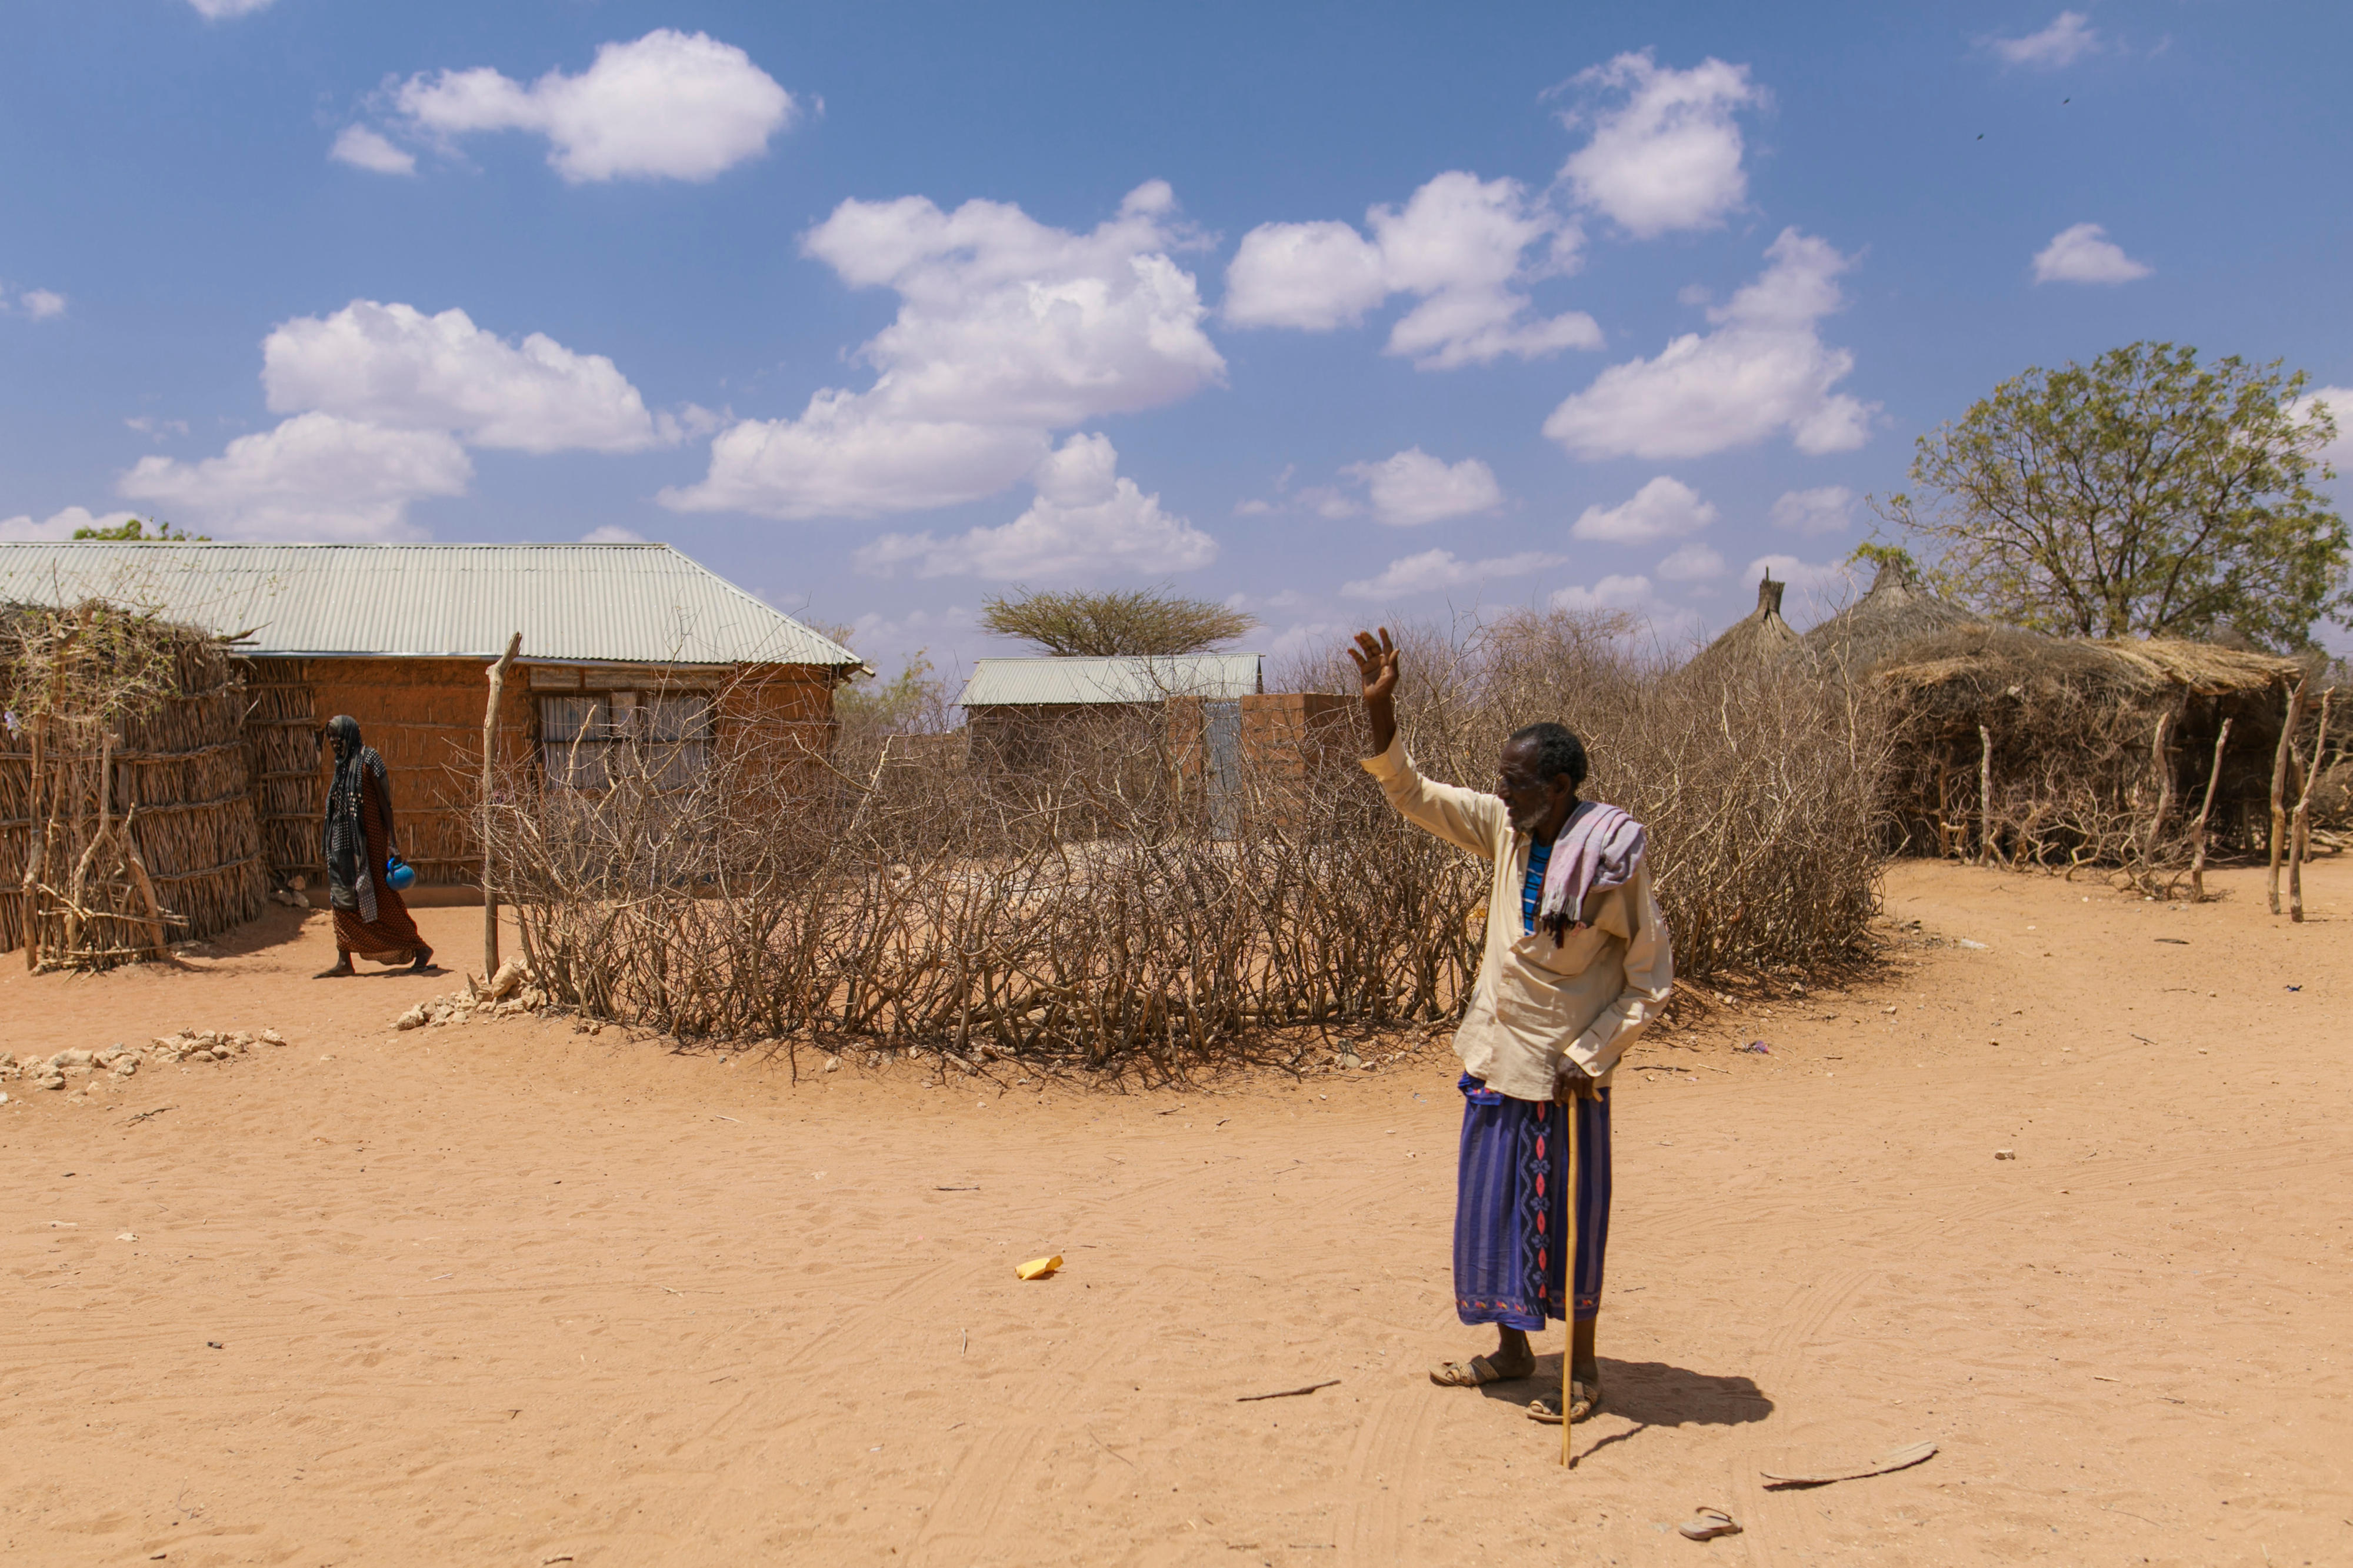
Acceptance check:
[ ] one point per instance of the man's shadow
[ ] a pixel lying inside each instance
(1648, 1394)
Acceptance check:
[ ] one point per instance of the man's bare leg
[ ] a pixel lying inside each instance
(1583, 1367)
(342, 967)
(1584, 1374)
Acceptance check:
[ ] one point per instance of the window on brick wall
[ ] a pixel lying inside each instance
(590, 741)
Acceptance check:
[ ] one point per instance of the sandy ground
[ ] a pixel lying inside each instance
(505, 1293)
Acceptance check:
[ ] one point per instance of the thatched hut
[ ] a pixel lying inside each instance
(1896, 612)
(1757, 640)
(2034, 748)
(127, 818)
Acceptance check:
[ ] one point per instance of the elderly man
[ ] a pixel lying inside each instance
(1576, 963)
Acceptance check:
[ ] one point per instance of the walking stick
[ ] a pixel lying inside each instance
(1568, 1347)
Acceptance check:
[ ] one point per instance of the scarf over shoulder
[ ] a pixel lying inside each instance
(1598, 849)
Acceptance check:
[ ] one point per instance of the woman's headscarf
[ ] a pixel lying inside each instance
(342, 838)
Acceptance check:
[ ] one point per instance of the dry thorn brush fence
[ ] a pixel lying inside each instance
(1122, 899)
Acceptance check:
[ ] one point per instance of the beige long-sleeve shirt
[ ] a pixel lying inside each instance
(1539, 1010)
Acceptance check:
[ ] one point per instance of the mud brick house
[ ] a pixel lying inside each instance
(621, 644)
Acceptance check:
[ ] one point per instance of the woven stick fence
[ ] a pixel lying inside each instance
(281, 732)
(125, 809)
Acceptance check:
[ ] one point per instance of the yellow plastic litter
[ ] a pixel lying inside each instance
(1038, 1267)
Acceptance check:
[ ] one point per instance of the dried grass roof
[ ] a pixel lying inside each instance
(1760, 637)
(1897, 611)
(1986, 656)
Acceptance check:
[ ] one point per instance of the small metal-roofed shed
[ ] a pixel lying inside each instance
(621, 644)
(1087, 682)
(1020, 711)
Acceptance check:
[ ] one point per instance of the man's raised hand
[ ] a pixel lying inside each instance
(1376, 671)
(1377, 664)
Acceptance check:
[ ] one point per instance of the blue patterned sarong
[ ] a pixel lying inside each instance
(1511, 1208)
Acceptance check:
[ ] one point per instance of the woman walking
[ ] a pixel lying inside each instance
(357, 841)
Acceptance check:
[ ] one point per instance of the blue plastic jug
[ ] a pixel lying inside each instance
(399, 874)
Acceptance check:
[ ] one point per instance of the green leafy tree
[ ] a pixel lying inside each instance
(912, 702)
(2141, 495)
(132, 529)
(1872, 553)
(1144, 621)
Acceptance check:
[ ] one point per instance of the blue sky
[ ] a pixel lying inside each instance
(1340, 311)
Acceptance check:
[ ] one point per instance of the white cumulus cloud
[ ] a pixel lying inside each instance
(1433, 569)
(220, 10)
(364, 148)
(1312, 276)
(2068, 38)
(1465, 249)
(1765, 368)
(1614, 593)
(671, 105)
(1307, 639)
(1824, 510)
(1818, 583)
(59, 525)
(42, 303)
(612, 533)
(1086, 521)
(1663, 509)
(1007, 332)
(1668, 155)
(2084, 254)
(316, 476)
(2338, 401)
(1413, 488)
(1693, 562)
(394, 366)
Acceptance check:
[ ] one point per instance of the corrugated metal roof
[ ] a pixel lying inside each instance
(633, 604)
(999, 683)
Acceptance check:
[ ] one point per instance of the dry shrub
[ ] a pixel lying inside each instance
(1133, 894)
(1758, 783)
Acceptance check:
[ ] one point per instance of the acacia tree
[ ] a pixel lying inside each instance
(2140, 495)
(1143, 621)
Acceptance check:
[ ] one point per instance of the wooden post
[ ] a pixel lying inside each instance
(489, 761)
(2205, 808)
(1984, 795)
(77, 901)
(2300, 833)
(1568, 1179)
(36, 860)
(159, 942)
(2163, 782)
(2280, 760)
